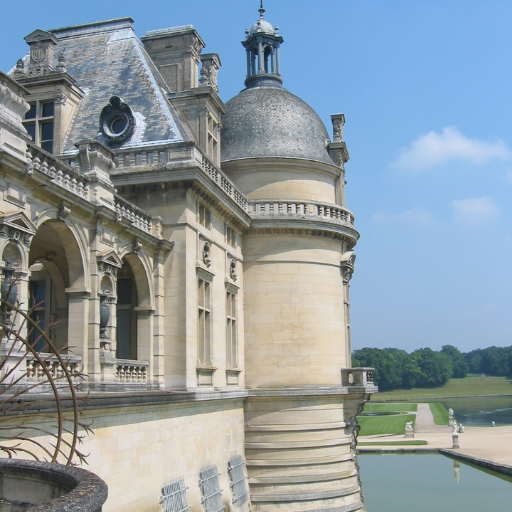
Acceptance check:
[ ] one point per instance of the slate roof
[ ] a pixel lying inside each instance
(272, 122)
(107, 59)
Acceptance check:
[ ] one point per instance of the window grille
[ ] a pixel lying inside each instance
(174, 496)
(238, 480)
(210, 487)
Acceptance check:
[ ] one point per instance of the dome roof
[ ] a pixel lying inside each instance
(262, 26)
(272, 122)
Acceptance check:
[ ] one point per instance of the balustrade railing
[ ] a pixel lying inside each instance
(224, 182)
(61, 174)
(304, 208)
(131, 372)
(138, 218)
(357, 377)
(36, 372)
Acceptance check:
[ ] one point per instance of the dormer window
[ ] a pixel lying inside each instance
(39, 123)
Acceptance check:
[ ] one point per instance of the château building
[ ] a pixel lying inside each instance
(217, 236)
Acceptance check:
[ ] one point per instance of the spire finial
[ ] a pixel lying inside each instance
(261, 9)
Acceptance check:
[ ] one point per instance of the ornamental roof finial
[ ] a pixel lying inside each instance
(261, 9)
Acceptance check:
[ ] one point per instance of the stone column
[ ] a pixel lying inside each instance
(261, 69)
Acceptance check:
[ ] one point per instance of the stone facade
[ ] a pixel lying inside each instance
(199, 273)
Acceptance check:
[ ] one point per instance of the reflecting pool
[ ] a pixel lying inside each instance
(481, 410)
(427, 482)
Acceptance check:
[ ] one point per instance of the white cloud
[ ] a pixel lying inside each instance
(417, 216)
(475, 209)
(433, 149)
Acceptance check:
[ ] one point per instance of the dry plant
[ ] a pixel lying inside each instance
(40, 399)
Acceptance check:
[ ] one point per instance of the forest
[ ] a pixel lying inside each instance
(397, 369)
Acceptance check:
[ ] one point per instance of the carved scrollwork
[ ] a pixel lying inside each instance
(117, 122)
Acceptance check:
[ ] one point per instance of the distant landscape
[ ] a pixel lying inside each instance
(396, 369)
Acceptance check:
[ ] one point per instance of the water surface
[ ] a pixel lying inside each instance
(481, 410)
(430, 482)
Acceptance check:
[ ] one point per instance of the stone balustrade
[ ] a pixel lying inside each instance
(36, 372)
(131, 372)
(357, 377)
(60, 174)
(216, 175)
(136, 216)
(309, 209)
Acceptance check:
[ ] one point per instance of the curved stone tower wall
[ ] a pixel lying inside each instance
(294, 321)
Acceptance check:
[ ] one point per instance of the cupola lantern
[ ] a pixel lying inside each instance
(262, 43)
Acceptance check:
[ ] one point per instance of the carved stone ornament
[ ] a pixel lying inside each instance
(117, 122)
(206, 254)
(95, 159)
(338, 121)
(232, 270)
(18, 228)
(109, 263)
(41, 52)
(63, 212)
(347, 265)
(137, 246)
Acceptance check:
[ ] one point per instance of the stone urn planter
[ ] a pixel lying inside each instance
(43, 486)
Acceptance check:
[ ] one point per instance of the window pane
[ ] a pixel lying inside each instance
(36, 339)
(39, 293)
(207, 295)
(47, 146)
(31, 114)
(31, 129)
(47, 131)
(207, 334)
(228, 304)
(124, 291)
(47, 109)
(200, 337)
(200, 293)
(123, 334)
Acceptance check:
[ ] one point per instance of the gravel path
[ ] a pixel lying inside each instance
(424, 419)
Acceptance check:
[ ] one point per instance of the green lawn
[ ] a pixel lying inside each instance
(469, 386)
(394, 443)
(371, 425)
(441, 416)
(401, 407)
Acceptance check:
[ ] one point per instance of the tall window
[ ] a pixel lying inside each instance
(204, 354)
(42, 301)
(126, 333)
(39, 124)
(213, 132)
(204, 216)
(231, 333)
(230, 236)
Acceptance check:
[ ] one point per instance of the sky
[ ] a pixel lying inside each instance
(426, 91)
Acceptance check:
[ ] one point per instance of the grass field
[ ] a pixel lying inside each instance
(389, 424)
(394, 443)
(441, 416)
(403, 407)
(469, 386)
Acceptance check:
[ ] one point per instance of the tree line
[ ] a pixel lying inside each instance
(397, 369)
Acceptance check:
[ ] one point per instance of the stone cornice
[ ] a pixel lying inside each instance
(300, 226)
(278, 164)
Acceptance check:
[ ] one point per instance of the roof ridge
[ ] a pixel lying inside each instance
(96, 27)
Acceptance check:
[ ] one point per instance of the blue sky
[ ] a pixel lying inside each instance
(425, 88)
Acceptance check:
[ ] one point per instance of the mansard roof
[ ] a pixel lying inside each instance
(107, 59)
